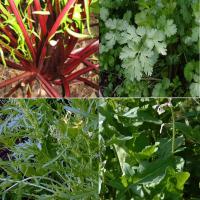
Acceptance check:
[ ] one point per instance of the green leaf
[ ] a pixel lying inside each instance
(146, 116)
(170, 28)
(181, 177)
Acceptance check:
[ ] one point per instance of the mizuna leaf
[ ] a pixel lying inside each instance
(4, 11)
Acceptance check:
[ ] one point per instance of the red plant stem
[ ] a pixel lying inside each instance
(86, 62)
(92, 46)
(49, 6)
(20, 22)
(69, 4)
(49, 63)
(66, 87)
(47, 87)
(26, 65)
(15, 79)
(57, 82)
(57, 5)
(31, 24)
(80, 72)
(86, 52)
(14, 65)
(87, 82)
(13, 90)
(71, 45)
(73, 56)
(95, 66)
(59, 19)
(42, 20)
(18, 86)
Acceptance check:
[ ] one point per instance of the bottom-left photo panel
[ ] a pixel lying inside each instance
(49, 149)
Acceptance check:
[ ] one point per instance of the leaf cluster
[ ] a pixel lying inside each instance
(145, 43)
(49, 149)
(138, 159)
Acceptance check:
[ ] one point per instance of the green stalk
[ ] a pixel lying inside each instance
(173, 129)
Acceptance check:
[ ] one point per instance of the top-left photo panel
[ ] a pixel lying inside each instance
(49, 48)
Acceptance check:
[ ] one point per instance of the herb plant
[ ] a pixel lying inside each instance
(51, 42)
(150, 48)
(48, 149)
(150, 149)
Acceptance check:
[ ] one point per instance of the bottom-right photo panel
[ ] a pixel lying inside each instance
(150, 148)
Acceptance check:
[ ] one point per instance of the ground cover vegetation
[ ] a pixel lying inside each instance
(51, 44)
(48, 149)
(150, 149)
(150, 47)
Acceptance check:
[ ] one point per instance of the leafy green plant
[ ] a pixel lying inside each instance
(148, 148)
(43, 39)
(149, 41)
(49, 149)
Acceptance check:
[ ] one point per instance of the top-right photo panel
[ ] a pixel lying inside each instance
(150, 48)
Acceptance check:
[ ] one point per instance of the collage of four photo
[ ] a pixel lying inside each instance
(100, 99)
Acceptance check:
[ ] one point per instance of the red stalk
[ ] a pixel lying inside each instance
(87, 82)
(95, 66)
(41, 18)
(80, 72)
(28, 66)
(71, 45)
(20, 22)
(18, 86)
(66, 87)
(59, 19)
(14, 65)
(86, 52)
(69, 4)
(15, 79)
(31, 24)
(50, 7)
(13, 90)
(47, 87)
(57, 7)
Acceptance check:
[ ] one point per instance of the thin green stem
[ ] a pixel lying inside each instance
(173, 129)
